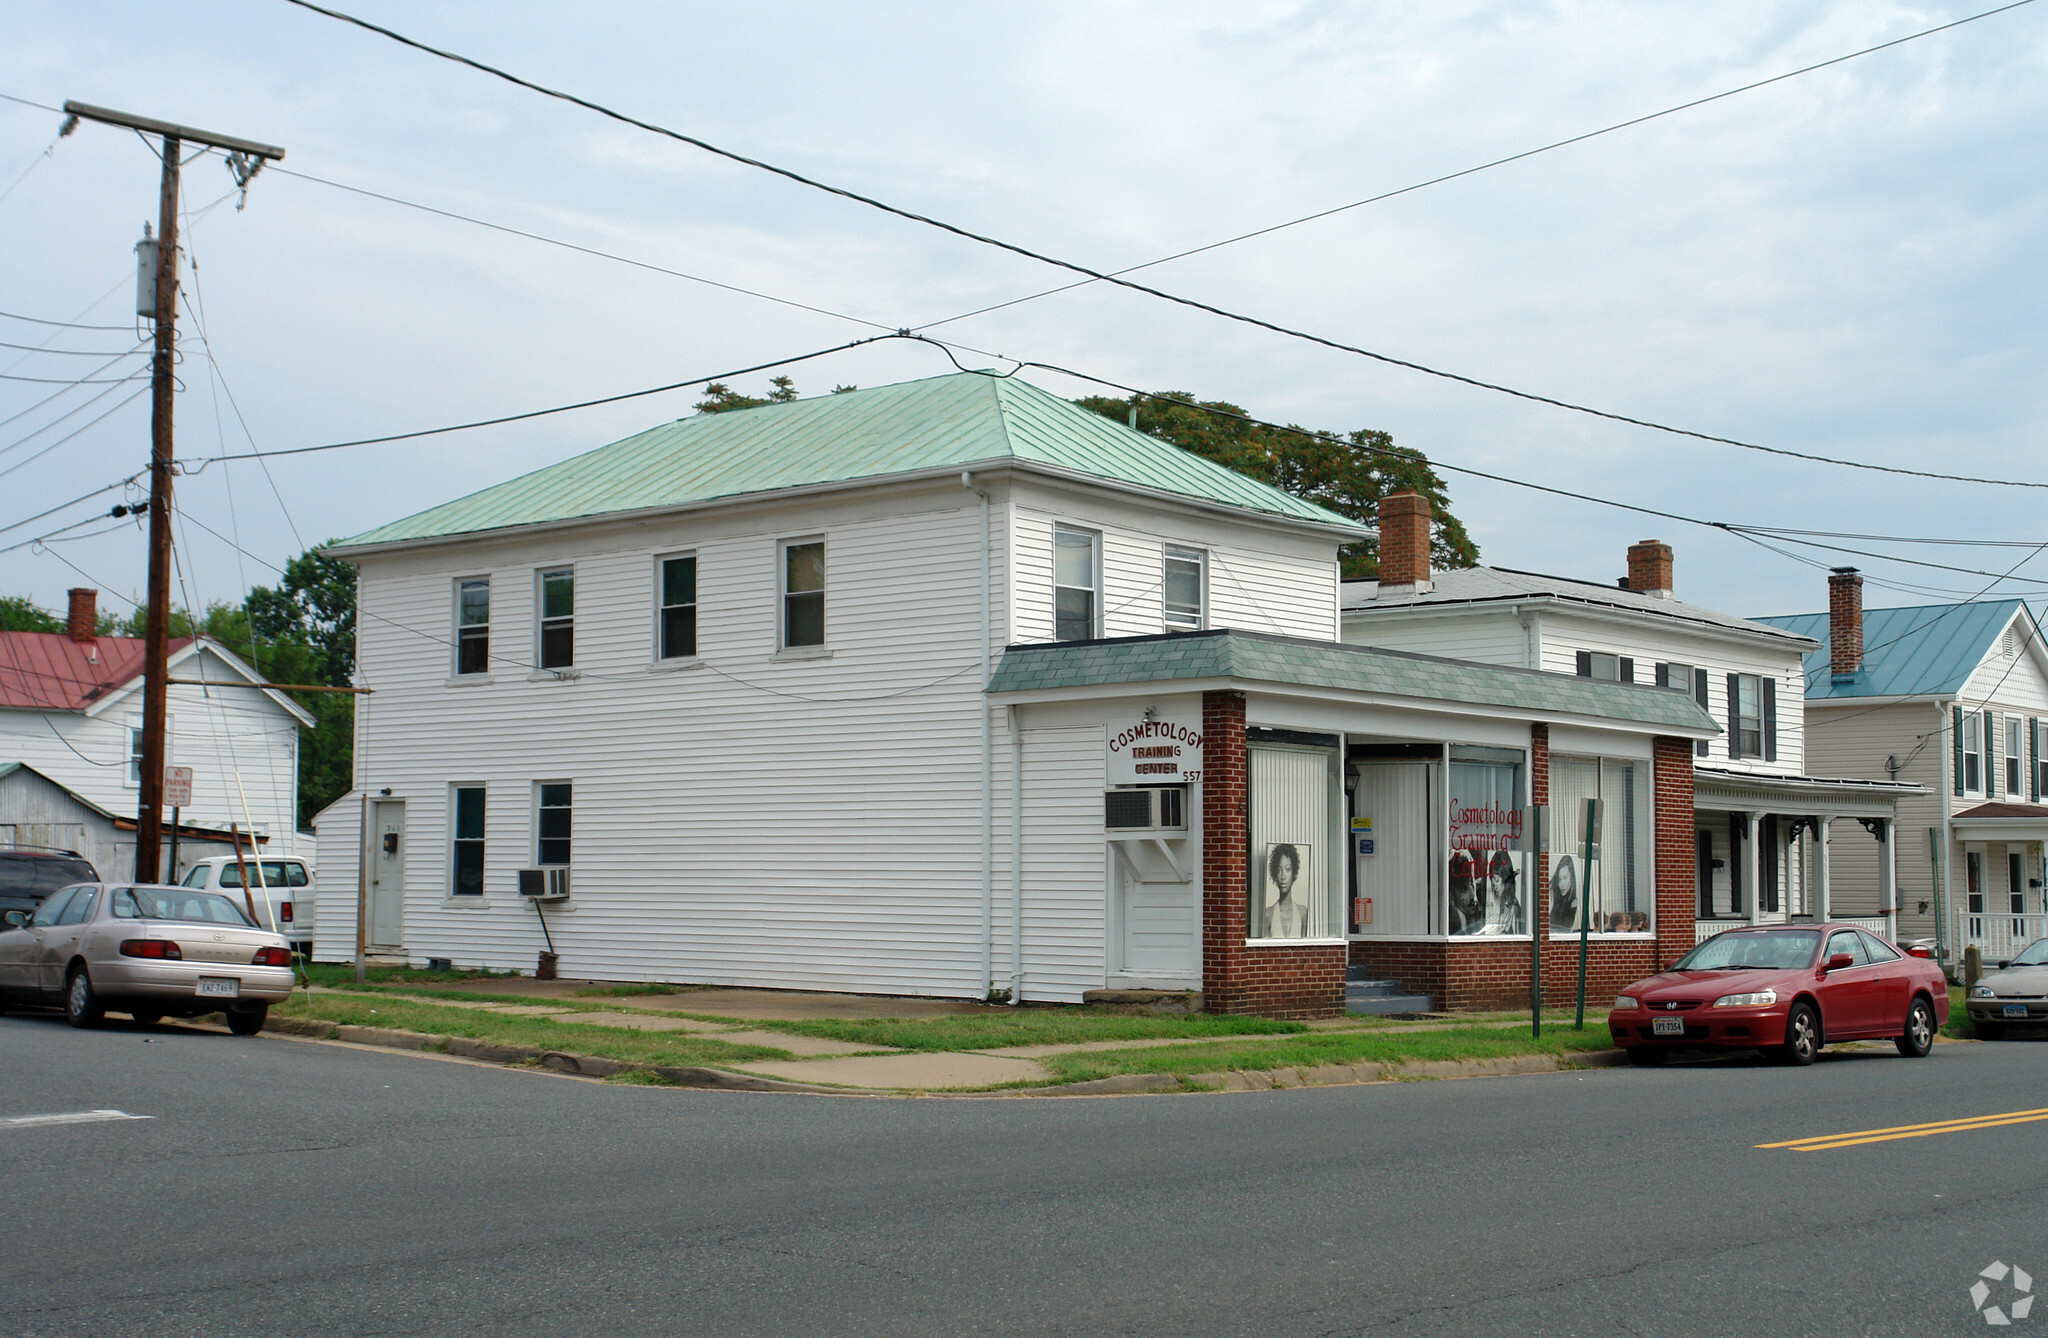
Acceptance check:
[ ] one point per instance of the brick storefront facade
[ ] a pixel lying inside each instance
(1279, 981)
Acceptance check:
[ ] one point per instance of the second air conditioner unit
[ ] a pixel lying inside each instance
(549, 882)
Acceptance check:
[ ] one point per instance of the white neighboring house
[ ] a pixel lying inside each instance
(731, 672)
(1954, 697)
(1767, 834)
(71, 709)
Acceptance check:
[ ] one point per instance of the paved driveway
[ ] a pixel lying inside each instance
(287, 1187)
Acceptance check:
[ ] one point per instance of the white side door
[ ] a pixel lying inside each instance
(1399, 875)
(1155, 903)
(387, 875)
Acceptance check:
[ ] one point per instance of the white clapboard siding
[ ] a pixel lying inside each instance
(1490, 638)
(1855, 740)
(337, 850)
(1065, 864)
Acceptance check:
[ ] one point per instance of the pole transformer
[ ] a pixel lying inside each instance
(246, 159)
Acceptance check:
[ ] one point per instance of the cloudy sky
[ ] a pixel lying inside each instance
(1846, 263)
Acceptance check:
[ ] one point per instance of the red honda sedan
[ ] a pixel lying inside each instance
(1784, 990)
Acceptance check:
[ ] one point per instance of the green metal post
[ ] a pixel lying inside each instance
(1532, 906)
(1591, 847)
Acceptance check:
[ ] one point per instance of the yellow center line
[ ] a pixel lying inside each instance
(1821, 1142)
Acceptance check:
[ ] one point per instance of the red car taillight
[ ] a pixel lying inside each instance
(151, 947)
(271, 957)
(284, 912)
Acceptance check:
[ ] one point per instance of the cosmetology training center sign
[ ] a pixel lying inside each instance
(1154, 752)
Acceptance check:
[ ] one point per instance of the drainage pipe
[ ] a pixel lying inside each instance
(988, 762)
(1016, 859)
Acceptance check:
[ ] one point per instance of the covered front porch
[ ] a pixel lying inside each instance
(1999, 906)
(1765, 850)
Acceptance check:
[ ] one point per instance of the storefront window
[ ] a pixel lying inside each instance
(1486, 883)
(1292, 896)
(1613, 893)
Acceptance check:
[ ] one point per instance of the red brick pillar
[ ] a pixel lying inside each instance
(1225, 908)
(1676, 856)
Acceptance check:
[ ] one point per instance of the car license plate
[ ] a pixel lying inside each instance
(1667, 1026)
(219, 987)
(2015, 1010)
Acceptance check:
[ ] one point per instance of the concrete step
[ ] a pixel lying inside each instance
(1384, 1004)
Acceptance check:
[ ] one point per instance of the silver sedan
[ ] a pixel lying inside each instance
(2016, 993)
(145, 950)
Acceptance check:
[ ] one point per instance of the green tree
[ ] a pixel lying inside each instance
(1347, 475)
(19, 614)
(722, 398)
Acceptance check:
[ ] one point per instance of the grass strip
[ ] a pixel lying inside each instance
(638, 1047)
(1449, 1043)
(996, 1028)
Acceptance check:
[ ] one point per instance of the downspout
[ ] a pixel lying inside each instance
(988, 760)
(1016, 860)
(1947, 921)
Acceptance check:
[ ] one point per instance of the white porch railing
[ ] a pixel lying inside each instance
(1702, 930)
(1998, 937)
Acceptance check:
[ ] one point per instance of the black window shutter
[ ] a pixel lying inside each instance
(1990, 731)
(1770, 722)
(2034, 758)
(1958, 731)
(1663, 674)
(1699, 694)
(1628, 670)
(1585, 664)
(1734, 717)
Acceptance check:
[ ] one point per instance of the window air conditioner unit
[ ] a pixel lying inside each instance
(549, 882)
(1151, 808)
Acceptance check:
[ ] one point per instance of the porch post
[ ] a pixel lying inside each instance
(1824, 911)
(1753, 866)
(1888, 878)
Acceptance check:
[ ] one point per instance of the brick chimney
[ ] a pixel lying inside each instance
(1845, 621)
(1404, 544)
(1649, 569)
(83, 625)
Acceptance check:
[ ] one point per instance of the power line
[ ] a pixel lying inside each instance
(67, 352)
(140, 391)
(68, 325)
(83, 497)
(1482, 167)
(542, 413)
(1192, 303)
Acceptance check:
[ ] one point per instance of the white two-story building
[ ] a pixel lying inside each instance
(947, 688)
(1767, 831)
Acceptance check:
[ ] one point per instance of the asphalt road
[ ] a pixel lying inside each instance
(286, 1187)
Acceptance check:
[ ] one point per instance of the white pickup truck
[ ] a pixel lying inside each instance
(282, 890)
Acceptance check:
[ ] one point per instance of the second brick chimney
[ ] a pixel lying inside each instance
(1404, 544)
(1649, 569)
(1845, 621)
(83, 624)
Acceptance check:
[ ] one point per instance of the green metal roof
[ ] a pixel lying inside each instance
(967, 418)
(1258, 657)
(1926, 651)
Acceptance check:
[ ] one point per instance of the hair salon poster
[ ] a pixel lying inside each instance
(1486, 865)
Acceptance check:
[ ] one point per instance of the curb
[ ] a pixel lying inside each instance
(1123, 1084)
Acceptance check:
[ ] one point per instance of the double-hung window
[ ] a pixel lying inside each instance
(1182, 590)
(552, 812)
(2040, 729)
(803, 594)
(466, 858)
(2015, 757)
(1608, 668)
(1753, 716)
(473, 626)
(1076, 585)
(558, 618)
(135, 746)
(1691, 680)
(1973, 751)
(677, 593)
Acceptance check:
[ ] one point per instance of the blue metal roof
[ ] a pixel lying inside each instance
(966, 418)
(1927, 651)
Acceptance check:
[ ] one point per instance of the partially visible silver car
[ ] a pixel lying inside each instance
(2013, 995)
(147, 950)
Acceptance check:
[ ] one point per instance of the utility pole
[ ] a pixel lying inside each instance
(246, 158)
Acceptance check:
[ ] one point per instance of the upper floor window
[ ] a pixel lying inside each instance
(552, 813)
(1611, 668)
(558, 618)
(1753, 716)
(803, 594)
(1973, 751)
(1076, 585)
(2040, 758)
(1691, 680)
(473, 626)
(1181, 592)
(135, 746)
(2015, 756)
(678, 597)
